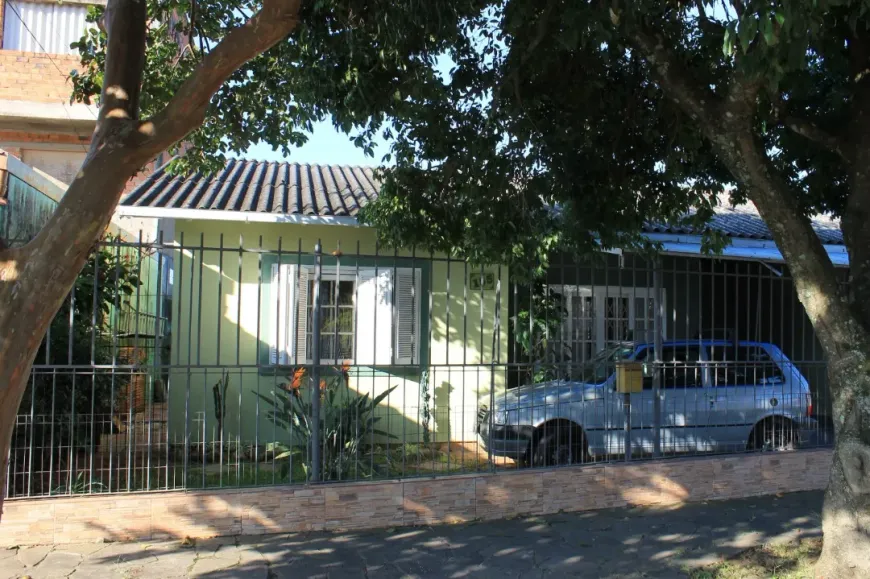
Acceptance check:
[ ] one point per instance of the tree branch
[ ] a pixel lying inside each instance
(813, 132)
(275, 20)
(192, 24)
(697, 101)
(125, 23)
(702, 11)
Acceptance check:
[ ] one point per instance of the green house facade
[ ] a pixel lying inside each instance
(244, 254)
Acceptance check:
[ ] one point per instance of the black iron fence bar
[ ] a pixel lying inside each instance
(315, 367)
(658, 315)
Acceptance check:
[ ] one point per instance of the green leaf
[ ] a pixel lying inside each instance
(767, 30)
(728, 41)
(382, 395)
(747, 32)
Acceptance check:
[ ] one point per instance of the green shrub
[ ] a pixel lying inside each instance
(347, 423)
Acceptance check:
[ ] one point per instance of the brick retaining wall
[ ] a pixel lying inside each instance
(409, 502)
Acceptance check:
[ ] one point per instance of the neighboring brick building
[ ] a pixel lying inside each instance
(37, 122)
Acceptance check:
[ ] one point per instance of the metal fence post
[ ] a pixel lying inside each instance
(658, 314)
(315, 364)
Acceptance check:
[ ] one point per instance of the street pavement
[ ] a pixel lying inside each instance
(627, 543)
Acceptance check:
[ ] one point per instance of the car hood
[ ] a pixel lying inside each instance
(549, 393)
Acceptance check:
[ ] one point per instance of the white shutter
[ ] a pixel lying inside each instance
(283, 298)
(301, 317)
(408, 315)
(374, 318)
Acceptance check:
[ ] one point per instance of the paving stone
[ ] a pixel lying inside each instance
(56, 564)
(239, 572)
(229, 552)
(83, 549)
(211, 546)
(12, 568)
(135, 561)
(172, 564)
(114, 553)
(206, 566)
(31, 556)
(283, 571)
(92, 573)
(249, 555)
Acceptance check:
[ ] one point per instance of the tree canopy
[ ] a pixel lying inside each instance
(353, 61)
(560, 107)
(552, 129)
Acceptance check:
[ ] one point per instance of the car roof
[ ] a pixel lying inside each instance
(702, 342)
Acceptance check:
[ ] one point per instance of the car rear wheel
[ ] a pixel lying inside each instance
(559, 445)
(773, 435)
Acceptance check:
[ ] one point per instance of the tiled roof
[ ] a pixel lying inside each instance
(744, 221)
(262, 187)
(334, 190)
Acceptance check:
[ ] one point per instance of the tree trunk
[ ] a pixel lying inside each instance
(846, 514)
(846, 511)
(844, 338)
(841, 325)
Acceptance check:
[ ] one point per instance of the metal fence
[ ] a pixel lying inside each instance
(23, 212)
(198, 363)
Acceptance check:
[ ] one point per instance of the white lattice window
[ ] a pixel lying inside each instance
(369, 316)
(599, 316)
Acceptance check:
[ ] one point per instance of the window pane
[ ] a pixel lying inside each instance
(345, 347)
(327, 347)
(345, 293)
(743, 366)
(616, 319)
(681, 367)
(336, 318)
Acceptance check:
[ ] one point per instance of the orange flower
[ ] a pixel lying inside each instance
(345, 372)
(297, 378)
(323, 384)
(295, 383)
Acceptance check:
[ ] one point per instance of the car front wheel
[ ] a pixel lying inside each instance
(556, 446)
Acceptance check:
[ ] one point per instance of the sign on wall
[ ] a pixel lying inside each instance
(478, 281)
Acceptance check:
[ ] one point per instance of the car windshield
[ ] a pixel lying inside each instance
(599, 368)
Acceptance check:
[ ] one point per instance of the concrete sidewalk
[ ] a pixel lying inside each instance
(624, 543)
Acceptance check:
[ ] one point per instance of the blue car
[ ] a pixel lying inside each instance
(715, 396)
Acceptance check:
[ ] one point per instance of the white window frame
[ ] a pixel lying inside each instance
(599, 294)
(284, 299)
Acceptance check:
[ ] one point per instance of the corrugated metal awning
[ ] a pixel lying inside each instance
(690, 245)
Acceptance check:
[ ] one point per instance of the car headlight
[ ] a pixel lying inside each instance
(499, 416)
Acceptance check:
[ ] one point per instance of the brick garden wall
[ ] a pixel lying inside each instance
(410, 502)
